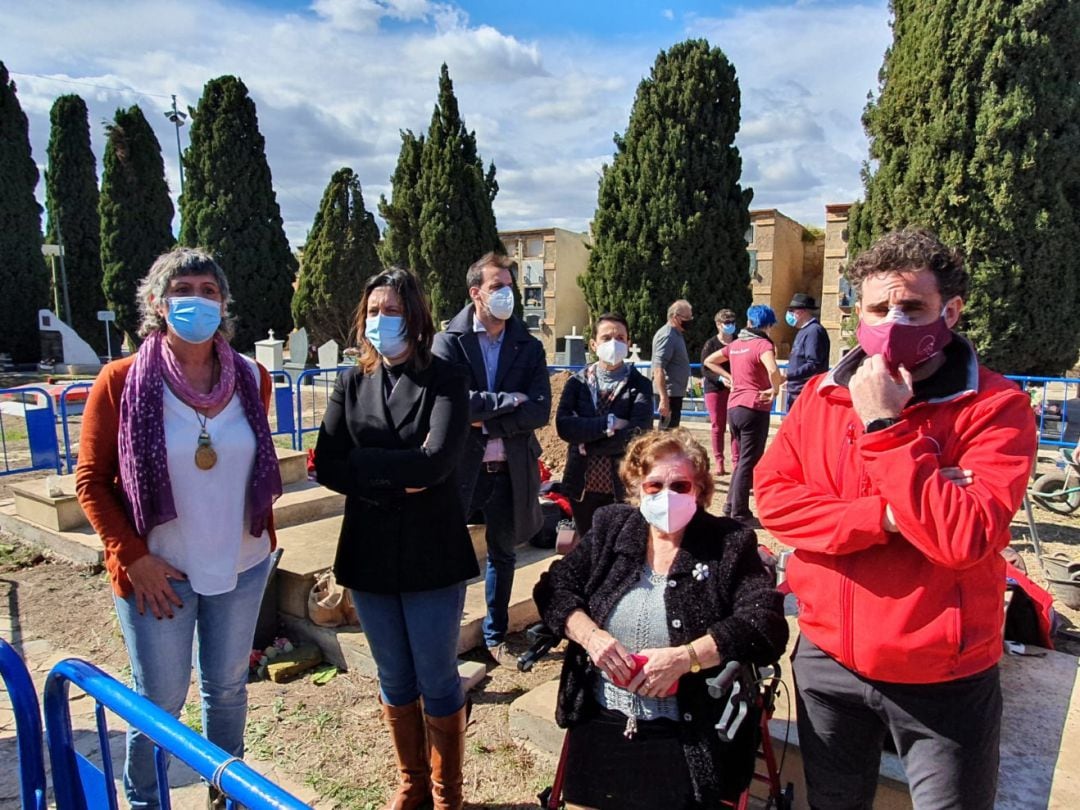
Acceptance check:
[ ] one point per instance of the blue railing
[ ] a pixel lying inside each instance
(27, 711)
(307, 379)
(692, 405)
(1051, 414)
(40, 431)
(69, 454)
(282, 407)
(80, 784)
(296, 410)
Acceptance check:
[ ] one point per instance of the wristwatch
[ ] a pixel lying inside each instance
(875, 425)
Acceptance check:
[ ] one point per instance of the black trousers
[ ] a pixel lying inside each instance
(673, 419)
(945, 733)
(751, 428)
(584, 509)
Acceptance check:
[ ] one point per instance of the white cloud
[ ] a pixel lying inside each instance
(364, 15)
(667, 14)
(335, 82)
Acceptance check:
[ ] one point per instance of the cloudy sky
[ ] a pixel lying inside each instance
(544, 84)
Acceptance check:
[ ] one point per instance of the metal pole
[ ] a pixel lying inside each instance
(108, 341)
(177, 120)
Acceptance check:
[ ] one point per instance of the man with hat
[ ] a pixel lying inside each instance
(810, 354)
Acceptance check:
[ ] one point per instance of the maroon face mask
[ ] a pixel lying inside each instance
(902, 343)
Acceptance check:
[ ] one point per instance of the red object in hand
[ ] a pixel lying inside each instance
(639, 662)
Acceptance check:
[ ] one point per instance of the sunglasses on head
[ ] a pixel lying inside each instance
(682, 486)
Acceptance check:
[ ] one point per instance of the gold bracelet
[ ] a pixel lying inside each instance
(695, 664)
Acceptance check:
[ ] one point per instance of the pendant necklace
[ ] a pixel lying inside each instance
(205, 455)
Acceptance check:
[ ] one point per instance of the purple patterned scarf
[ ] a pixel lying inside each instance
(144, 471)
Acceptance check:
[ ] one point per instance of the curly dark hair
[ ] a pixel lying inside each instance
(912, 249)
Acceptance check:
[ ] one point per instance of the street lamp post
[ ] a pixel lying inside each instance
(177, 118)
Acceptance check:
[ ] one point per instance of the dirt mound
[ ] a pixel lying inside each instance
(553, 449)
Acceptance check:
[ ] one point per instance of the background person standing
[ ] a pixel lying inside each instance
(717, 385)
(509, 399)
(671, 364)
(810, 352)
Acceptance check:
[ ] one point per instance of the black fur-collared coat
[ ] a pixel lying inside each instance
(717, 585)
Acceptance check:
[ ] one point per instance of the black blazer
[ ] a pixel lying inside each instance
(522, 367)
(370, 449)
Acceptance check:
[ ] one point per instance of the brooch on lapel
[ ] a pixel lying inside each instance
(701, 572)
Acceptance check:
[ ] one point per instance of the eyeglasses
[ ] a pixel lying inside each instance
(681, 486)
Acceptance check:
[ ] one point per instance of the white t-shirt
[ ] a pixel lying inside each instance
(210, 539)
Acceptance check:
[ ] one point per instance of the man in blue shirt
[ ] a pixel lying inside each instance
(810, 353)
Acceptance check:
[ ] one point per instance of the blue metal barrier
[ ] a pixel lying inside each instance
(25, 707)
(1052, 415)
(79, 784)
(40, 431)
(285, 421)
(692, 405)
(69, 458)
(327, 384)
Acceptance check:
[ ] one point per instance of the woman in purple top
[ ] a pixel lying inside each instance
(756, 381)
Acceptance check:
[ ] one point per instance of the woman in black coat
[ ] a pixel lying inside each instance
(684, 590)
(601, 409)
(391, 440)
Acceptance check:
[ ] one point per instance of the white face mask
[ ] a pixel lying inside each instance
(501, 303)
(611, 352)
(668, 511)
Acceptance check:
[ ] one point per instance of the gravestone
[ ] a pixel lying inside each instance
(268, 353)
(328, 358)
(298, 352)
(575, 350)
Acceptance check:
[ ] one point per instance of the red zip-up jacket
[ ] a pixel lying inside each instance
(924, 604)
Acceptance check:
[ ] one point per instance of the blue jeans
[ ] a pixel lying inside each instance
(413, 638)
(495, 498)
(160, 651)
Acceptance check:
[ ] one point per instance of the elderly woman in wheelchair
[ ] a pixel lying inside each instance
(654, 600)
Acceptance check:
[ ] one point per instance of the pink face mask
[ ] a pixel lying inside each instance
(903, 343)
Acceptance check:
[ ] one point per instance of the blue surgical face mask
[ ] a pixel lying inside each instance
(387, 334)
(193, 318)
(790, 318)
(729, 328)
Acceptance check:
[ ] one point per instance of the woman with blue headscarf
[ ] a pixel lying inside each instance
(756, 381)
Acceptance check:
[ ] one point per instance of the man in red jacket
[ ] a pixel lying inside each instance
(895, 478)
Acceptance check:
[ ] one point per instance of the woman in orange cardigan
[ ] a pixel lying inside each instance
(178, 474)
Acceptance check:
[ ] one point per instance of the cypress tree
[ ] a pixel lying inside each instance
(229, 207)
(457, 223)
(22, 268)
(975, 133)
(71, 198)
(672, 217)
(136, 213)
(339, 256)
(401, 238)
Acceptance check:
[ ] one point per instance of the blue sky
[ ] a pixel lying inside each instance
(545, 85)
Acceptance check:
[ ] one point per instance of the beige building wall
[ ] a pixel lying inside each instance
(835, 306)
(549, 262)
(788, 260)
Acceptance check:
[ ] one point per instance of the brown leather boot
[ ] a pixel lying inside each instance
(406, 726)
(446, 749)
